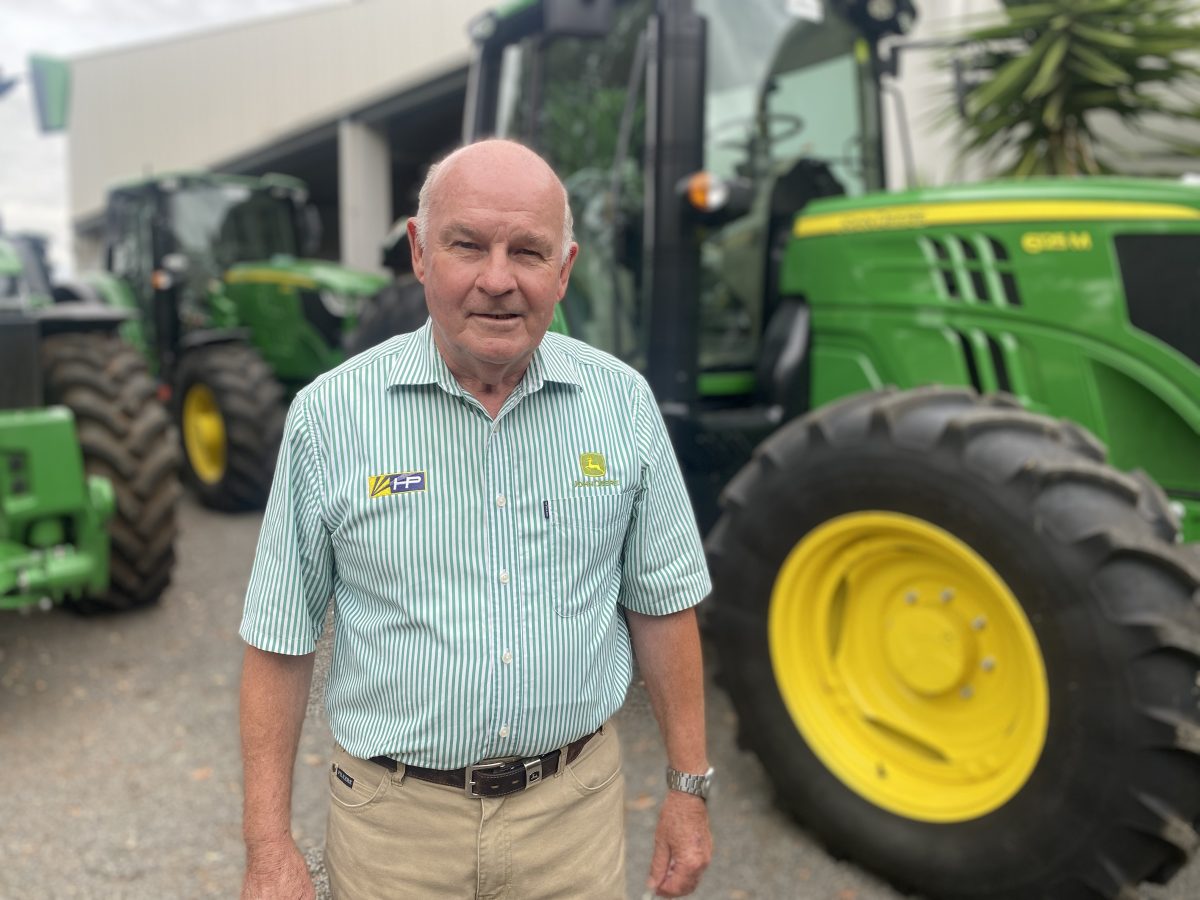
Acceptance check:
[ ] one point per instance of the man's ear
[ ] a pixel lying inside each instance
(565, 274)
(418, 252)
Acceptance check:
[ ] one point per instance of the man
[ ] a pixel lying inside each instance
(500, 521)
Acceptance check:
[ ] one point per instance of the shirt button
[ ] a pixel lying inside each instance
(504, 576)
(507, 657)
(504, 731)
(500, 500)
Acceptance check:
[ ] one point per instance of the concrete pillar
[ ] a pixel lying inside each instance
(364, 193)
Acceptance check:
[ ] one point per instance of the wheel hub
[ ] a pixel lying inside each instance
(908, 666)
(204, 434)
(929, 652)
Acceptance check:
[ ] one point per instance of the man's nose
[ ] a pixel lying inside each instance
(497, 276)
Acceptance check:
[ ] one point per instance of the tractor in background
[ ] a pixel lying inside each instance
(231, 317)
(88, 458)
(962, 638)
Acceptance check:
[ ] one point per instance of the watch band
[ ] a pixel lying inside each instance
(699, 785)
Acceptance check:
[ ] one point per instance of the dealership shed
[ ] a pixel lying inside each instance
(354, 98)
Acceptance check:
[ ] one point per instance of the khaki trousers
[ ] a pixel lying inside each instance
(396, 837)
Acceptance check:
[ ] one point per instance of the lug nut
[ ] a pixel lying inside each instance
(979, 623)
(988, 664)
(947, 595)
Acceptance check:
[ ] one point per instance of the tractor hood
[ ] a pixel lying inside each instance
(313, 274)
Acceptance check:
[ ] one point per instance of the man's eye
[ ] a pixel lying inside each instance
(527, 252)
(465, 245)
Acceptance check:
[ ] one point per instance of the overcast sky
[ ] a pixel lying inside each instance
(33, 190)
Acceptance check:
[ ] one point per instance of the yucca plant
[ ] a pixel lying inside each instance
(1042, 79)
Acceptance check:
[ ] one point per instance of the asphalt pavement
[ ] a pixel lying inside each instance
(118, 739)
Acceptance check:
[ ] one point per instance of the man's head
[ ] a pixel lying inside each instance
(491, 242)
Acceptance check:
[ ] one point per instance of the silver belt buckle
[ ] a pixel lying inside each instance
(469, 787)
(533, 771)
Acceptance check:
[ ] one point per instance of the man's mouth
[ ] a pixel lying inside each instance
(497, 317)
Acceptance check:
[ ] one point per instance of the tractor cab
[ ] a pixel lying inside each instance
(232, 317)
(788, 105)
(204, 254)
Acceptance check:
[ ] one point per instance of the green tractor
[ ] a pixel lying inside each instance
(945, 444)
(232, 319)
(88, 483)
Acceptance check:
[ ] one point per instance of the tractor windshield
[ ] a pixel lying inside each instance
(34, 264)
(785, 80)
(10, 275)
(217, 225)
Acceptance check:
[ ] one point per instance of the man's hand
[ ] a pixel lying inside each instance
(277, 871)
(682, 846)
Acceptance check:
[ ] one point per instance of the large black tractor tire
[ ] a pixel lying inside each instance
(231, 413)
(964, 648)
(125, 434)
(397, 309)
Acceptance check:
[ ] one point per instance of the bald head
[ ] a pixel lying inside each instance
(498, 159)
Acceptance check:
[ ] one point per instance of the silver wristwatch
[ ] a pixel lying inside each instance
(690, 784)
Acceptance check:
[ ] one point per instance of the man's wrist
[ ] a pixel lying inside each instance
(266, 841)
(697, 784)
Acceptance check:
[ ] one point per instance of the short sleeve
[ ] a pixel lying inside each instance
(664, 570)
(292, 577)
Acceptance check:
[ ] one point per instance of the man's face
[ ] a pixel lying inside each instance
(492, 265)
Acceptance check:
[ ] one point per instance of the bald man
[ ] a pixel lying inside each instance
(499, 519)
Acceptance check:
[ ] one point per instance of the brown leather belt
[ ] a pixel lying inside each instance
(495, 779)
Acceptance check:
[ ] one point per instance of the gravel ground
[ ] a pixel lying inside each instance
(119, 735)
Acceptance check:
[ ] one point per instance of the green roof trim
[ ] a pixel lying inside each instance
(51, 79)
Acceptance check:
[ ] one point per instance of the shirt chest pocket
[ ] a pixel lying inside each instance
(586, 536)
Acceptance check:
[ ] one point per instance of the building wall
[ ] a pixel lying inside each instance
(195, 101)
(925, 97)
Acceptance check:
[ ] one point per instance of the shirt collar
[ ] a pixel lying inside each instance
(419, 362)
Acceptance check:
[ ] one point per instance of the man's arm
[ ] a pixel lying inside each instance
(274, 697)
(668, 654)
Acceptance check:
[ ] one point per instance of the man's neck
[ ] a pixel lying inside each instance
(490, 385)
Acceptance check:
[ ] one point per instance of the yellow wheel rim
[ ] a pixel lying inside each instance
(909, 666)
(204, 434)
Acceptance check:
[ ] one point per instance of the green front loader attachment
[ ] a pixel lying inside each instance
(53, 542)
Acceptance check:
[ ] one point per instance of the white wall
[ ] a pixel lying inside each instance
(927, 95)
(194, 101)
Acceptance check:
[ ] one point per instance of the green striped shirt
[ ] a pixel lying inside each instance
(478, 567)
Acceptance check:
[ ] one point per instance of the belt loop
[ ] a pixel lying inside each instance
(562, 761)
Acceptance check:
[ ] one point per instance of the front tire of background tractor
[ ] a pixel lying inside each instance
(231, 415)
(396, 309)
(126, 436)
(964, 647)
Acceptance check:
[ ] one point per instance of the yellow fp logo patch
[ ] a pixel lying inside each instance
(396, 483)
(593, 465)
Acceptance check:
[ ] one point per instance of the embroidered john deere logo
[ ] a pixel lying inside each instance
(396, 483)
(592, 465)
